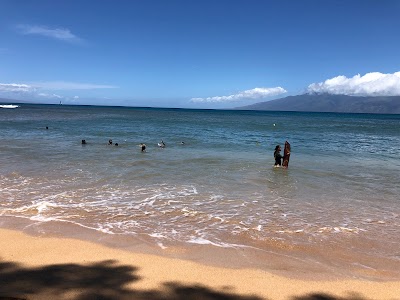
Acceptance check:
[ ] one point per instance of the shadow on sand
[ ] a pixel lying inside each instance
(105, 280)
(321, 296)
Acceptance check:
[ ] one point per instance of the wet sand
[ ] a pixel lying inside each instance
(43, 267)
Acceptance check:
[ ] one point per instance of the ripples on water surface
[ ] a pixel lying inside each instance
(218, 188)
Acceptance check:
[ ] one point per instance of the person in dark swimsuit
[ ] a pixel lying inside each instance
(277, 155)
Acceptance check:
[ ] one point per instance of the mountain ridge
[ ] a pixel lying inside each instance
(331, 103)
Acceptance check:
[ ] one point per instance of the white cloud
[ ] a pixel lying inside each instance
(371, 84)
(56, 33)
(25, 90)
(51, 85)
(50, 96)
(15, 87)
(256, 93)
(63, 85)
(44, 90)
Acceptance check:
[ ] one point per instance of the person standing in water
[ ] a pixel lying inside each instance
(278, 157)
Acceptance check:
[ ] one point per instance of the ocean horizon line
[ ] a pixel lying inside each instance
(2, 102)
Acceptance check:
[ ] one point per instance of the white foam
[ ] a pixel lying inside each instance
(173, 201)
(222, 220)
(40, 207)
(189, 213)
(338, 229)
(258, 228)
(363, 266)
(216, 197)
(157, 235)
(45, 205)
(161, 245)
(203, 241)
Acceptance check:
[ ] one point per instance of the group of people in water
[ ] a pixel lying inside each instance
(277, 152)
(141, 145)
(110, 142)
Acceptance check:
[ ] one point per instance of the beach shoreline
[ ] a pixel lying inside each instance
(286, 260)
(74, 268)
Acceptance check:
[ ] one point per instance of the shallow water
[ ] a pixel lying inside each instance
(219, 188)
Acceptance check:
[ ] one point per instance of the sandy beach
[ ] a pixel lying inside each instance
(39, 267)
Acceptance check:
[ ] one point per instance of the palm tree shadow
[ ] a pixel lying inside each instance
(323, 296)
(105, 280)
(59, 279)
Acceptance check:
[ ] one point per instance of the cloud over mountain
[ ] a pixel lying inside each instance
(371, 84)
(256, 93)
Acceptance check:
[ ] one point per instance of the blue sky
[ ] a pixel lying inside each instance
(196, 54)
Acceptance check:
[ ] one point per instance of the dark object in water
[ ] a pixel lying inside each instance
(277, 156)
(83, 142)
(286, 155)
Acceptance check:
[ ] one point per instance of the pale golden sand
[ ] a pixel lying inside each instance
(59, 268)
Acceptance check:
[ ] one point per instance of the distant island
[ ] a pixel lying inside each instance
(331, 103)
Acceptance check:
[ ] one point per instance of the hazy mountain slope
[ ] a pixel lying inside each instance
(331, 103)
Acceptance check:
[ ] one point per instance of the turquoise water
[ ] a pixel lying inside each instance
(219, 188)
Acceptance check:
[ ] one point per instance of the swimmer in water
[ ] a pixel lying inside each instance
(161, 144)
(143, 147)
(110, 142)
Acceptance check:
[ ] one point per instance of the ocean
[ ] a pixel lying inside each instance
(212, 194)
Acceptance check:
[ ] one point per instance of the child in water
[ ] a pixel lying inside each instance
(278, 157)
